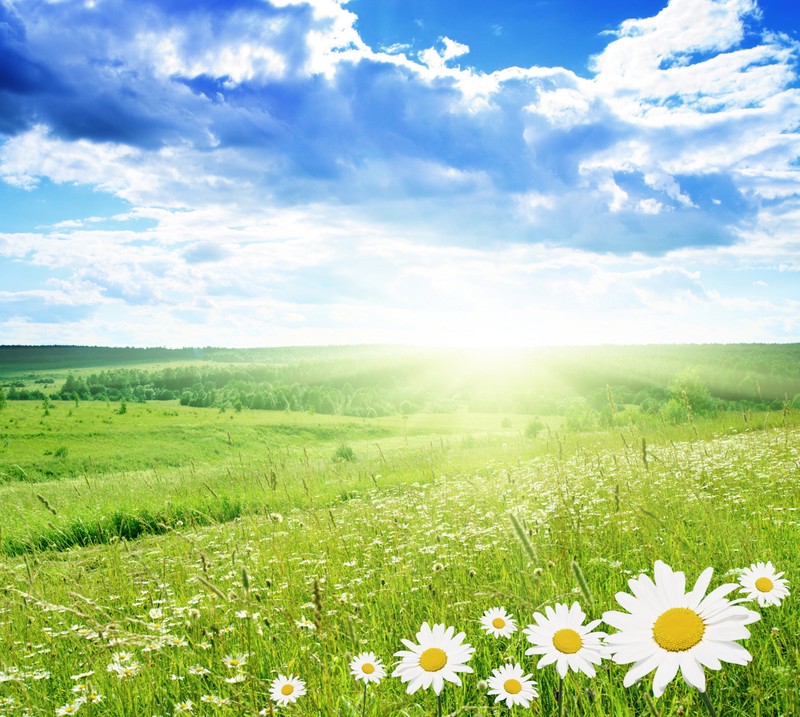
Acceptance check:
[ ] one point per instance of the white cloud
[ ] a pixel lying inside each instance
(563, 107)
(618, 198)
(294, 177)
(654, 58)
(650, 206)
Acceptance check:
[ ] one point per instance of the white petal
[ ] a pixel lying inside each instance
(694, 597)
(693, 672)
(665, 673)
(548, 659)
(641, 668)
(615, 618)
(672, 584)
(731, 652)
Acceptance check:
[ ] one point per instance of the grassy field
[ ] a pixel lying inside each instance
(141, 551)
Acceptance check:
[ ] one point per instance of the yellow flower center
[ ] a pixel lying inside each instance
(678, 629)
(512, 686)
(287, 689)
(764, 585)
(498, 623)
(368, 668)
(433, 659)
(567, 641)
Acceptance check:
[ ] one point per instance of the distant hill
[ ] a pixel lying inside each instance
(361, 380)
(37, 358)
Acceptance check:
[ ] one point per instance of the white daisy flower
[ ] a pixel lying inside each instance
(304, 623)
(561, 637)
(124, 670)
(287, 690)
(236, 662)
(70, 708)
(122, 657)
(511, 686)
(666, 628)
(496, 621)
(438, 657)
(760, 582)
(368, 668)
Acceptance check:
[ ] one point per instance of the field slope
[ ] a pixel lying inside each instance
(168, 559)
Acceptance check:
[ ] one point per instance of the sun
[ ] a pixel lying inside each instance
(498, 329)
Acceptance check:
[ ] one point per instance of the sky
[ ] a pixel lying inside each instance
(431, 172)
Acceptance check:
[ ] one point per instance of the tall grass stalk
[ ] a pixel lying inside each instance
(523, 537)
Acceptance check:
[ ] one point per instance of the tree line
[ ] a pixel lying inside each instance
(264, 387)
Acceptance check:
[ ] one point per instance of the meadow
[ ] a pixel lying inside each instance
(166, 559)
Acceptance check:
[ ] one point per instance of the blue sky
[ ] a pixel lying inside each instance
(521, 172)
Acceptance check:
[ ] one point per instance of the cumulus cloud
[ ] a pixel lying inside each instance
(286, 100)
(272, 149)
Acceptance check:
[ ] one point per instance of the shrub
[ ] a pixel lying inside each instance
(534, 428)
(344, 452)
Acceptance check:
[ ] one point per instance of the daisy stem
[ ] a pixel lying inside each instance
(439, 705)
(560, 697)
(707, 703)
(364, 702)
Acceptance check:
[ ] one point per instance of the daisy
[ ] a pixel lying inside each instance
(438, 657)
(511, 686)
(760, 582)
(215, 700)
(667, 628)
(561, 637)
(70, 708)
(286, 690)
(496, 621)
(123, 670)
(304, 623)
(368, 668)
(235, 662)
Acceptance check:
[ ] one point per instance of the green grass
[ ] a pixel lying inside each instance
(416, 529)
(120, 475)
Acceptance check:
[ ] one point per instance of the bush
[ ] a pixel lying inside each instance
(534, 428)
(345, 452)
(581, 417)
(674, 411)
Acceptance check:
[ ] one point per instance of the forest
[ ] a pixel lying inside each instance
(589, 385)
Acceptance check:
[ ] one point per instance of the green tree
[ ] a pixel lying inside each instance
(687, 388)
(581, 417)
